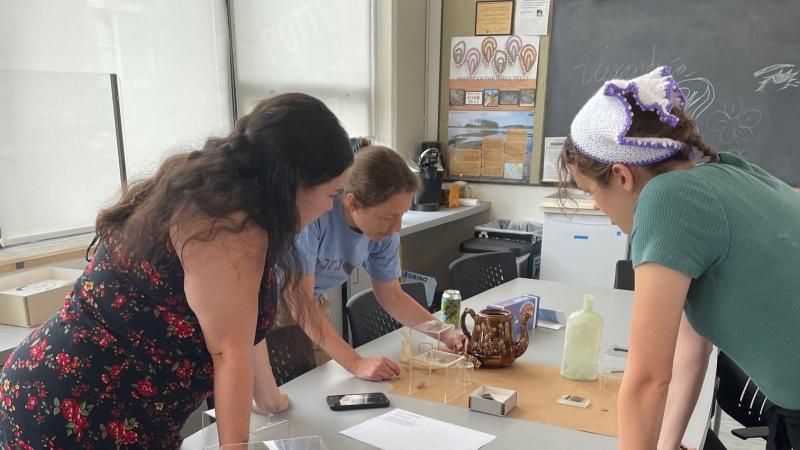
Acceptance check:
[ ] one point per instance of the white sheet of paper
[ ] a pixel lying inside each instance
(530, 17)
(399, 430)
(552, 149)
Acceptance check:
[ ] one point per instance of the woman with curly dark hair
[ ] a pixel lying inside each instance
(176, 301)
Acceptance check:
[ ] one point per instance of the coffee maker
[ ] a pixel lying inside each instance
(431, 172)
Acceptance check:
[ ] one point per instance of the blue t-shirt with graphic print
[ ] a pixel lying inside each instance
(331, 250)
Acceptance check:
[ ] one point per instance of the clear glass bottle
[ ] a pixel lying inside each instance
(582, 342)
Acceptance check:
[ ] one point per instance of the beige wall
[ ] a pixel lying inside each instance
(410, 71)
(513, 201)
(401, 74)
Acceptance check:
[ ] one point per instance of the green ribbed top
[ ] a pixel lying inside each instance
(736, 231)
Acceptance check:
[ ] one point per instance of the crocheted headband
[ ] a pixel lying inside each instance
(600, 127)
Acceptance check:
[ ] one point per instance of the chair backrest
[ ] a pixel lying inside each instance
(291, 353)
(738, 396)
(369, 321)
(624, 276)
(474, 274)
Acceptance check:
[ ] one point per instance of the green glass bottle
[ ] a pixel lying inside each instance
(582, 342)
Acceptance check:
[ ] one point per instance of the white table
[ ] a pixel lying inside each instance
(309, 415)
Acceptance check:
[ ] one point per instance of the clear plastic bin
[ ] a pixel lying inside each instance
(262, 428)
(298, 443)
(434, 373)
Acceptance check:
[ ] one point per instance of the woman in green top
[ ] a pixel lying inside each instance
(715, 248)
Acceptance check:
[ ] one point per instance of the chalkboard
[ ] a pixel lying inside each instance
(737, 61)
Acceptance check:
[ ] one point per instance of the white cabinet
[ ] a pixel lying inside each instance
(580, 246)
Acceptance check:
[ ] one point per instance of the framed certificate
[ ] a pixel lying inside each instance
(494, 17)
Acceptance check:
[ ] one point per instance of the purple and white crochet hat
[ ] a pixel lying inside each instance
(600, 127)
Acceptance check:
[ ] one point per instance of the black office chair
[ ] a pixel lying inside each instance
(734, 393)
(474, 274)
(291, 354)
(740, 398)
(369, 321)
(624, 275)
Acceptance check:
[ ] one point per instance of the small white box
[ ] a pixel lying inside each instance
(492, 400)
(29, 297)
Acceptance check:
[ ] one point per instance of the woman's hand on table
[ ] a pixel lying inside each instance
(455, 340)
(375, 368)
(272, 405)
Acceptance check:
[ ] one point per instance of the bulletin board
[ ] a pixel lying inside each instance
(492, 93)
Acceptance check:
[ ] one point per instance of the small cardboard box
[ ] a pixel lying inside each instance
(492, 400)
(514, 306)
(29, 297)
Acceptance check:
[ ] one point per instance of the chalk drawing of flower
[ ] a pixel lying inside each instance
(733, 123)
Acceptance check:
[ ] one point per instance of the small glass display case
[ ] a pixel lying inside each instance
(434, 372)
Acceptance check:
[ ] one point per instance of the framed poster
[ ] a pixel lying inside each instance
(493, 17)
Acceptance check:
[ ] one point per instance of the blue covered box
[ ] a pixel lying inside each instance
(514, 305)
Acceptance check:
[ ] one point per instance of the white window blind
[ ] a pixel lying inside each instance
(58, 153)
(319, 47)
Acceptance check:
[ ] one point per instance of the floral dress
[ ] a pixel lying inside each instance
(122, 365)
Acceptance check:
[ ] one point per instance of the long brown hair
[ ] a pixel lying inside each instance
(377, 174)
(645, 124)
(287, 142)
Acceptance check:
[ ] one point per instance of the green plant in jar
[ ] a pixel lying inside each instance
(451, 307)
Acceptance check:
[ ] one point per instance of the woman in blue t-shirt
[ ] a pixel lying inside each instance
(361, 229)
(715, 249)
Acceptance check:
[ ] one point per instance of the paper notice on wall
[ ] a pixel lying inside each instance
(552, 149)
(530, 17)
(465, 162)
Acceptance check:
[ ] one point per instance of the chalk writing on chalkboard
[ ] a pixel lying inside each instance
(700, 95)
(595, 68)
(782, 76)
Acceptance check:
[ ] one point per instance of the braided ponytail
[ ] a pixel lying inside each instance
(687, 132)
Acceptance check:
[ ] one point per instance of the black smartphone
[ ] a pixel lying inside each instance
(358, 401)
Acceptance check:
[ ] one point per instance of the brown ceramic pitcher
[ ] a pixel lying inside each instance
(492, 338)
